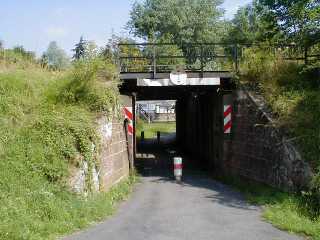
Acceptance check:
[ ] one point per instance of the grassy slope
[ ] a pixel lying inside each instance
(41, 133)
(296, 100)
(294, 96)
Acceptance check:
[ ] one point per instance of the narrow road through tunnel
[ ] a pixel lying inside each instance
(161, 142)
(199, 135)
(196, 135)
(197, 207)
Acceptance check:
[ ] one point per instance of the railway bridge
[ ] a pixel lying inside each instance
(199, 79)
(225, 130)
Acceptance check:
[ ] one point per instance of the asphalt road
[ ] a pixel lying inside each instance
(197, 209)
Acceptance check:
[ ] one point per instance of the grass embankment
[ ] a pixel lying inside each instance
(151, 129)
(293, 93)
(47, 120)
(289, 212)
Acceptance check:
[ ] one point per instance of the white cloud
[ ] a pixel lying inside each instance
(56, 32)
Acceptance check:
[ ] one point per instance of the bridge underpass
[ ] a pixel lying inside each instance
(198, 80)
(199, 113)
(198, 207)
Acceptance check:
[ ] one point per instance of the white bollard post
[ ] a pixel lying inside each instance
(178, 168)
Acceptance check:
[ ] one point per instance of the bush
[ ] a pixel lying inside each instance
(311, 199)
(93, 83)
(256, 65)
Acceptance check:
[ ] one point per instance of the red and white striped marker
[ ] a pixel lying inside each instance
(227, 118)
(177, 168)
(128, 115)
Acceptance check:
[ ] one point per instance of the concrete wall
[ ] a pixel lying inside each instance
(257, 150)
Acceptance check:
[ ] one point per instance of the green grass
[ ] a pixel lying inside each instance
(47, 119)
(151, 129)
(51, 211)
(284, 210)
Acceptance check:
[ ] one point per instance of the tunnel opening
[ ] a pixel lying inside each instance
(155, 136)
(197, 81)
(155, 120)
(192, 131)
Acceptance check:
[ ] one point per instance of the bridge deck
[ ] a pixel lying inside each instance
(131, 82)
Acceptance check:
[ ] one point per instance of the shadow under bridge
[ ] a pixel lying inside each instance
(199, 113)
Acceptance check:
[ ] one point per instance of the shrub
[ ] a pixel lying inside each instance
(310, 203)
(93, 83)
(256, 65)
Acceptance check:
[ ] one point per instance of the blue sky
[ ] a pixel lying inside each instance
(34, 23)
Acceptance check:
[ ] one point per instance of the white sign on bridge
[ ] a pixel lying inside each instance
(178, 79)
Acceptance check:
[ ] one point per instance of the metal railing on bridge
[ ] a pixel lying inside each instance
(167, 57)
(200, 57)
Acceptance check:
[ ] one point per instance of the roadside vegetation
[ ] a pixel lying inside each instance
(47, 117)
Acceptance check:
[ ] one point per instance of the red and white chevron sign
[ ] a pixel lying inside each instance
(227, 118)
(128, 115)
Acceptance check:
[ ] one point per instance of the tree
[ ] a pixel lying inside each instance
(44, 60)
(110, 50)
(107, 52)
(251, 24)
(91, 50)
(19, 50)
(80, 49)
(166, 50)
(57, 58)
(2, 51)
(181, 21)
(28, 55)
(185, 20)
(135, 64)
(298, 19)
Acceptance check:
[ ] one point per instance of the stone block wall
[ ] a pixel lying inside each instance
(114, 156)
(257, 150)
